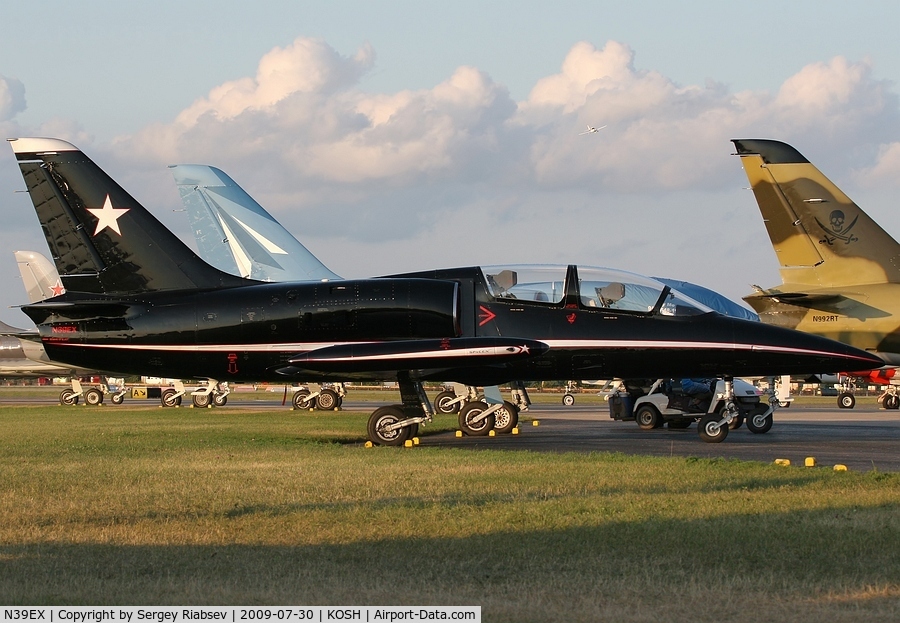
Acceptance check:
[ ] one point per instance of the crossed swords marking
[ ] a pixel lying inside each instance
(846, 237)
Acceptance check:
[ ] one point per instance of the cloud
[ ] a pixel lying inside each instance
(12, 98)
(460, 173)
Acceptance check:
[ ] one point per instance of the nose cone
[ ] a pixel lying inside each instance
(785, 351)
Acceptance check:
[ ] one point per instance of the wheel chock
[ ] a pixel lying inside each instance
(535, 422)
(810, 461)
(415, 441)
(459, 433)
(408, 443)
(515, 431)
(840, 468)
(783, 462)
(492, 433)
(369, 444)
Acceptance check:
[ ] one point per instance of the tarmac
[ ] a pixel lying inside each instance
(863, 439)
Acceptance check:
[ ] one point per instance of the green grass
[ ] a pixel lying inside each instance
(120, 505)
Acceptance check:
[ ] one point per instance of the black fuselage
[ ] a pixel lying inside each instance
(252, 332)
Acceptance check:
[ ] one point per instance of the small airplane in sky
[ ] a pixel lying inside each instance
(139, 301)
(840, 271)
(591, 130)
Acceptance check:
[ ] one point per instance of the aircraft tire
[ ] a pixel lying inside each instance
(757, 427)
(220, 400)
(300, 399)
(93, 397)
(169, 399)
(384, 416)
(443, 403)
(648, 418)
(327, 400)
(846, 400)
(469, 413)
(568, 400)
(506, 419)
(201, 401)
(892, 402)
(709, 429)
(117, 398)
(68, 397)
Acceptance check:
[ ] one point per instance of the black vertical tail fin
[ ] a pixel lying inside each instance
(100, 238)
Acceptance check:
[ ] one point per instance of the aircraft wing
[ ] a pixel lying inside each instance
(418, 354)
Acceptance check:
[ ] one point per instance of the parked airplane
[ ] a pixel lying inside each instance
(22, 359)
(840, 271)
(138, 300)
(215, 203)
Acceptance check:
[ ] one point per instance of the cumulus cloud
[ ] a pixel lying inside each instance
(462, 162)
(12, 98)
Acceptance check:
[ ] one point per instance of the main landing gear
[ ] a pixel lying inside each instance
(394, 424)
(92, 395)
(212, 394)
(314, 396)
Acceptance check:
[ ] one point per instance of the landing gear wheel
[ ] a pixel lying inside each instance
(467, 416)
(506, 418)
(327, 400)
(758, 424)
(891, 402)
(648, 418)
(117, 399)
(93, 397)
(169, 399)
(300, 399)
(846, 400)
(786, 404)
(68, 397)
(220, 400)
(443, 403)
(201, 401)
(709, 429)
(385, 416)
(680, 424)
(568, 400)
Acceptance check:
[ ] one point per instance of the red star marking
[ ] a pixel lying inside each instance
(486, 315)
(57, 289)
(445, 344)
(571, 318)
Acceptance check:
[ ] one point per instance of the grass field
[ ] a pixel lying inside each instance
(119, 505)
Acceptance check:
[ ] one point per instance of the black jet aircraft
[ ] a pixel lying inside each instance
(139, 301)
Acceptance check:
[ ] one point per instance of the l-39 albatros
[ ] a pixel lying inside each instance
(138, 300)
(840, 270)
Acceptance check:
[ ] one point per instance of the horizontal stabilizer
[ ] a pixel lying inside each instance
(415, 354)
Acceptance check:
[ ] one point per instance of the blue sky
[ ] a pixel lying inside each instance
(394, 136)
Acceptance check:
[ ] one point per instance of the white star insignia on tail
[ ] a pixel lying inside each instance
(107, 216)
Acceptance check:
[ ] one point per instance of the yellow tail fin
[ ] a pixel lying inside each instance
(820, 236)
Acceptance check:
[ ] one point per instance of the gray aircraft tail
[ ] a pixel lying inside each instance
(39, 276)
(235, 234)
